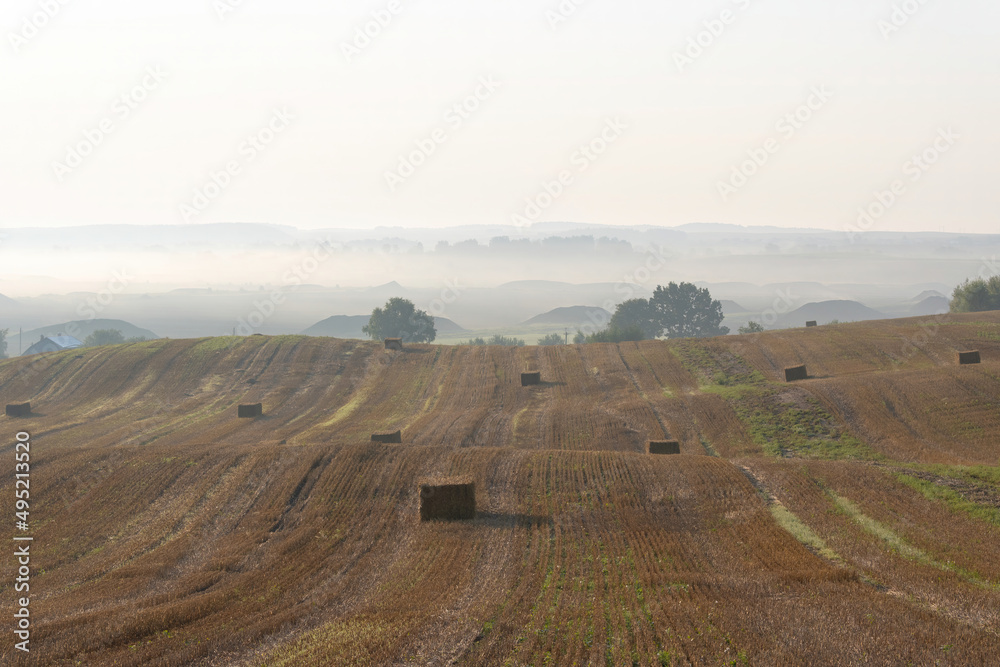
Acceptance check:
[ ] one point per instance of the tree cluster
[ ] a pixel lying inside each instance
(496, 339)
(675, 311)
(552, 339)
(612, 334)
(104, 337)
(109, 337)
(974, 296)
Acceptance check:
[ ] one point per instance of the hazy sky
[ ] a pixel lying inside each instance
(121, 112)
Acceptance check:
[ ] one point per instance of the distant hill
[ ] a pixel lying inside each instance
(7, 301)
(79, 329)
(571, 315)
(928, 302)
(390, 289)
(825, 311)
(349, 326)
(339, 326)
(932, 305)
(926, 294)
(732, 307)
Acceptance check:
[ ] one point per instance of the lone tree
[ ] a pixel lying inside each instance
(635, 313)
(3, 343)
(974, 296)
(686, 311)
(104, 337)
(400, 319)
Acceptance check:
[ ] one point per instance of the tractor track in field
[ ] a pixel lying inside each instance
(640, 392)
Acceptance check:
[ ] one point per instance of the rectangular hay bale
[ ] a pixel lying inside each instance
(449, 500)
(251, 411)
(811, 323)
(394, 343)
(531, 378)
(663, 447)
(796, 373)
(18, 409)
(970, 357)
(388, 438)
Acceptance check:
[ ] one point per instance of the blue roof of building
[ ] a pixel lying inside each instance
(65, 342)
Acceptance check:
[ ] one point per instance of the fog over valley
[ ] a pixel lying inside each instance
(187, 281)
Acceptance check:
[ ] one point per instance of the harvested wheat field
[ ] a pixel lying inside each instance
(848, 518)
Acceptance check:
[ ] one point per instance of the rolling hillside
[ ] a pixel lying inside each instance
(828, 311)
(848, 518)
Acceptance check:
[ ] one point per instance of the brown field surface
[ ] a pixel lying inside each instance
(850, 518)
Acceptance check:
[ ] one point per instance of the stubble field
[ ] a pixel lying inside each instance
(851, 518)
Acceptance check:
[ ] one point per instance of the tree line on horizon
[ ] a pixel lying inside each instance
(678, 310)
(675, 311)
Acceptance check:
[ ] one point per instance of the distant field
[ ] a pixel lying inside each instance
(850, 518)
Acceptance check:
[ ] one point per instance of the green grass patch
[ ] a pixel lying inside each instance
(893, 541)
(154, 345)
(734, 392)
(798, 426)
(988, 475)
(802, 428)
(215, 344)
(715, 368)
(954, 500)
(896, 543)
(979, 475)
(802, 532)
(345, 410)
(709, 449)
